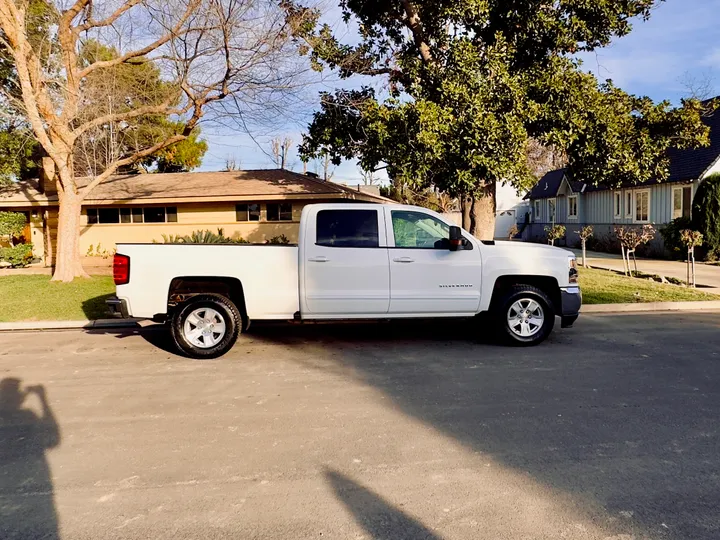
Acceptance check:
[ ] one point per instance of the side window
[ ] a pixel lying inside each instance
(419, 230)
(347, 228)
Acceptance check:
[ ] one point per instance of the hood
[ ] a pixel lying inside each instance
(544, 248)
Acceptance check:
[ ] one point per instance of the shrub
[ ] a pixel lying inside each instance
(706, 213)
(672, 232)
(280, 239)
(17, 256)
(556, 232)
(11, 224)
(202, 237)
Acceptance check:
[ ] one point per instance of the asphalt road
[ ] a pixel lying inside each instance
(608, 431)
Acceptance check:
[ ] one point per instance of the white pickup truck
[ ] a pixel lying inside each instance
(353, 261)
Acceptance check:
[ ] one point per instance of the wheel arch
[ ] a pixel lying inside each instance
(547, 284)
(183, 288)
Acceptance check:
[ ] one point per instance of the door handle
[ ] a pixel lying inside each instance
(321, 258)
(403, 260)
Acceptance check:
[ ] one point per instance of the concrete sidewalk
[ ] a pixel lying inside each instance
(706, 275)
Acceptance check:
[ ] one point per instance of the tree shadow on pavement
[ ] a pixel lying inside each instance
(377, 517)
(27, 506)
(619, 413)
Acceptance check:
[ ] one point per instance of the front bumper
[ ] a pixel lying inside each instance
(571, 300)
(118, 307)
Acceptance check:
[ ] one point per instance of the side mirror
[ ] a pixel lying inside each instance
(456, 238)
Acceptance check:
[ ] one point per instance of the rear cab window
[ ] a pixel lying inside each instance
(347, 228)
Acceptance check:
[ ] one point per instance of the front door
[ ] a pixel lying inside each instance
(425, 276)
(346, 263)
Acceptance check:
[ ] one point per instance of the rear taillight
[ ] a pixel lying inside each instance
(121, 269)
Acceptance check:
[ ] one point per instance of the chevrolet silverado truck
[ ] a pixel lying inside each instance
(352, 261)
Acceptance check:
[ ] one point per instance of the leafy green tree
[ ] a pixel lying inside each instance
(472, 84)
(706, 213)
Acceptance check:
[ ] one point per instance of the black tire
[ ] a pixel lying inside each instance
(502, 312)
(224, 308)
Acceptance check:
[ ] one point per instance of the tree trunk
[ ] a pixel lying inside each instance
(478, 212)
(67, 255)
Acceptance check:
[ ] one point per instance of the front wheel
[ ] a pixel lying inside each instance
(525, 316)
(206, 326)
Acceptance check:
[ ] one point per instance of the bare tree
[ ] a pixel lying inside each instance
(368, 177)
(232, 164)
(327, 171)
(218, 58)
(698, 86)
(542, 158)
(280, 149)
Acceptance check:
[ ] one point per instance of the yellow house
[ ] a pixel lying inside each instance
(255, 205)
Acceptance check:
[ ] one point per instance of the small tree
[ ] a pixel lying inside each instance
(11, 225)
(585, 233)
(556, 232)
(630, 238)
(691, 239)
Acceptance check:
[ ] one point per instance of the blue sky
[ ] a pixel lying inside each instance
(679, 40)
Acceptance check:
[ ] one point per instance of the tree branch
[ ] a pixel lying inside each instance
(90, 23)
(415, 25)
(172, 33)
(129, 160)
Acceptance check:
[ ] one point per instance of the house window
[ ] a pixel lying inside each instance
(572, 203)
(642, 206)
(682, 202)
(628, 204)
(247, 212)
(617, 204)
(536, 211)
(279, 212)
(347, 228)
(153, 214)
(551, 210)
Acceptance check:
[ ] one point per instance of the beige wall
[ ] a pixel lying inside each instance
(191, 217)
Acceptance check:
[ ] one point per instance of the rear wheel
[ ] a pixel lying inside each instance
(525, 316)
(206, 326)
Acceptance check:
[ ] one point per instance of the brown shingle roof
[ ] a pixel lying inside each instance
(211, 185)
(25, 193)
(194, 186)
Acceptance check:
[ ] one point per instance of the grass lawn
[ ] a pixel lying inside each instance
(36, 298)
(605, 287)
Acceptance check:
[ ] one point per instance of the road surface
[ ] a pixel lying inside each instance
(607, 431)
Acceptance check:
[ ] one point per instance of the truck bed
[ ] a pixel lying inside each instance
(268, 274)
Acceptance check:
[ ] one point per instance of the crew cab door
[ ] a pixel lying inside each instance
(344, 263)
(425, 276)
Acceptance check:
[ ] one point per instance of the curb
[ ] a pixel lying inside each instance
(651, 306)
(70, 325)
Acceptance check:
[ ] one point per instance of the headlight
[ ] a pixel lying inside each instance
(573, 270)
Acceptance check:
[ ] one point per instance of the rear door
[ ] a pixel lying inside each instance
(345, 263)
(425, 276)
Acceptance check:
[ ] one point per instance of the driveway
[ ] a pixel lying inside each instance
(706, 275)
(607, 431)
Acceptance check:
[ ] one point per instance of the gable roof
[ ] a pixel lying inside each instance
(550, 184)
(263, 184)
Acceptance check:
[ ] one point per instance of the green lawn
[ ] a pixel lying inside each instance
(605, 287)
(36, 298)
